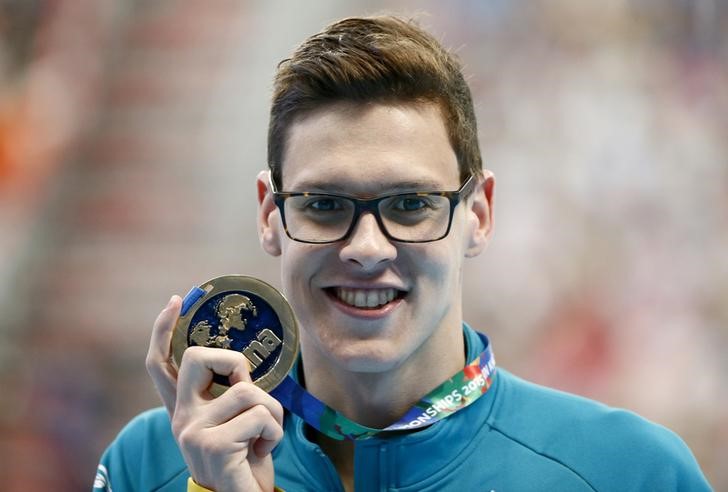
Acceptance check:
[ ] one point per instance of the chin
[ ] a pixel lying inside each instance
(369, 356)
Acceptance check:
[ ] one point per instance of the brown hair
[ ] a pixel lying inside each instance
(380, 59)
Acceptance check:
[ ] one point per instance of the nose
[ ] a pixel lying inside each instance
(367, 246)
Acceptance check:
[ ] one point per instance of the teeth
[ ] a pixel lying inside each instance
(369, 298)
(382, 297)
(360, 299)
(372, 298)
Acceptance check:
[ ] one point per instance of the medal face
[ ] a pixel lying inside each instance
(244, 314)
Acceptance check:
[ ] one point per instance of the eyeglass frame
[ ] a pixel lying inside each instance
(372, 205)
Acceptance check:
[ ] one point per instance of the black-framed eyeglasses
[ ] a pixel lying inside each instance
(412, 217)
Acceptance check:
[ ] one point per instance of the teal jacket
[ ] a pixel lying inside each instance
(517, 437)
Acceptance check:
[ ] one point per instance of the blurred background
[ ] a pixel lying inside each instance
(131, 133)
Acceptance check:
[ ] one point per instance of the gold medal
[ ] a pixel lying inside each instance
(244, 314)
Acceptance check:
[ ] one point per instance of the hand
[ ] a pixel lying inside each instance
(226, 441)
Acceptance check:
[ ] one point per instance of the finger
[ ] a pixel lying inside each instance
(240, 397)
(198, 366)
(160, 343)
(257, 424)
(163, 373)
(263, 447)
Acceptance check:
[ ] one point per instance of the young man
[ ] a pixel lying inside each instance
(374, 199)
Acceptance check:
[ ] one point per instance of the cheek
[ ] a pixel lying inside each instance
(437, 263)
(295, 255)
(299, 263)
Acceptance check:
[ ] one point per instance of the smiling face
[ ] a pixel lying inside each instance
(366, 303)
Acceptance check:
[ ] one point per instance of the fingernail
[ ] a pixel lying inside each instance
(170, 301)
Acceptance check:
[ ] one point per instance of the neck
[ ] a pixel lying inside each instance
(378, 399)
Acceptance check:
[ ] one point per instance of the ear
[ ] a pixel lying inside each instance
(480, 210)
(268, 218)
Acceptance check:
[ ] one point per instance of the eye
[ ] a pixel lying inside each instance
(322, 204)
(410, 203)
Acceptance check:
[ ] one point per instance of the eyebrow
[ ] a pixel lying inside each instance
(350, 189)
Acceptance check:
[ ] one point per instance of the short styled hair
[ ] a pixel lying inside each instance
(374, 59)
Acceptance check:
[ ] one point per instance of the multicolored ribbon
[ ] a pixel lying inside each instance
(454, 394)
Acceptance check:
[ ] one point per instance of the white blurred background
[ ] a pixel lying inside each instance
(131, 133)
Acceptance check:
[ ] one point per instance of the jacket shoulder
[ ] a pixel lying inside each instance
(144, 456)
(607, 447)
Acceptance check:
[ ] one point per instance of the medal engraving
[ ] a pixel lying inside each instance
(260, 349)
(244, 314)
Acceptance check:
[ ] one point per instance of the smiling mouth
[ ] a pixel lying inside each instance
(365, 298)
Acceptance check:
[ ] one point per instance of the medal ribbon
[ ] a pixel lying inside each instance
(461, 390)
(454, 394)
